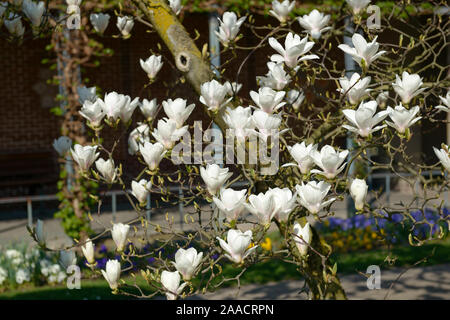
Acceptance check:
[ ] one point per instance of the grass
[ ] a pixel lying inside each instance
(270, 271)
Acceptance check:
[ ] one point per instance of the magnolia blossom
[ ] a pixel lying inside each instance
(263, 206)
(231, 202)
(93, 112)
(267, 124)
(213, 95)
(171, 282)
(408, 86)
(285, 202)
(125, 24)
(277, 78)
(329, 160)
(99, 21)
(138, 136)
(14, 25)
(382, 98)
(39, 232)
(240, 120)
(88, 251)
(302, 237)
(294, 47)
(443, 156)
(402, 118)
(354, 88)
(34, 11)
(167, 132)
(446, 102)
(177, 110)
(107, 169)
(62, 145)
(112, 273)
(237, 245)
(152, 65)
(358, 191)
(149, 108)
(229, 27)
(113, 104)
(187, 262)
(141, 190)
(267, 99)
(302, 154)
(315, 23)
(312, 194)
(364, 118)
(214, 177)
(281, 10)
(119, 234)
(295, 98)
(153, 153)
(85, 93)
(84, 156)
(363, 53)
(176, 6)
(128, 108)
(67, 258)
(357, 5)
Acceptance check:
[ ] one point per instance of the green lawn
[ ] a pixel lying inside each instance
(273, 270)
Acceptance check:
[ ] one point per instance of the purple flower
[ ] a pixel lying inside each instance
(103, 249)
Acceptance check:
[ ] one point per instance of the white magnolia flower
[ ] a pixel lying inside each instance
(119, 234)
(357, 5)
(281, 10)
(363, 53)
(402, 118)
(315, 23)
(171, 282)
(312, 194)
(40, 233)
(285, 202)
(382, 98)
(14, 25)
(446, 102)
(232, 87)
(84, 156)
(149, 108)
(295, 98)
(85, 93)
(67, 258)
(138, 136)
(358, 191)
(177, 110)
(240, 120)
(128, 108)
(294, 47)
(443, 156)
(107, 169)
(88, 251)
(176, 6)
(214, 177)
(187, 262)
(99, 21)
(153, 153)
(113, 104)
(62, 145)
(112, 273)
(277, 78)
(93, 112)
(329, 160)
(237, 245)
(231, 203)
(125, 24)
(34, 11)
(23, 275)
(141, 190)
(152, 65)
(213, 95)
(302, 154)
(229, 27)
(267, 99)
(408, 86)
(364, 118)
(263, 206)
(355, 88)
(302, 237)
(167, 132)
(267, 124)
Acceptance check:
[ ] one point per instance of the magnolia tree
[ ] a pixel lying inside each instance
(283, 141)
